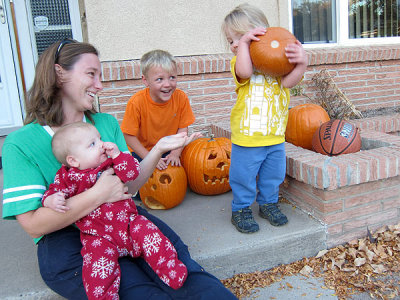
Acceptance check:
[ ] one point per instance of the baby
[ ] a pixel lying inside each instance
(113, 229)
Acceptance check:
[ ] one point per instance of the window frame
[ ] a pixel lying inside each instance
(342, 29)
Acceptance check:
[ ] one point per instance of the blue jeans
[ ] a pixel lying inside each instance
(268, 163)
(60, 264)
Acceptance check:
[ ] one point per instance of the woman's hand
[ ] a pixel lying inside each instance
(175, 141)
(110, 188)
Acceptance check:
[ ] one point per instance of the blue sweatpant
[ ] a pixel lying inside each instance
(268, 163)
(60, 263)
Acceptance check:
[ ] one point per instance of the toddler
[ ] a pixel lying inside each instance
(258, 121)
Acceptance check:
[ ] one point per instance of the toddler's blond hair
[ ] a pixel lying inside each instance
(243, 18)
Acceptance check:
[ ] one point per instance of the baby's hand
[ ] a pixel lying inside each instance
(252, 34)
(56, 202)
(173, 158)
(111, 149)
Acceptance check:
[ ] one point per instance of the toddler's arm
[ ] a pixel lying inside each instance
(56, 202)
(244, 65)
(296, 55)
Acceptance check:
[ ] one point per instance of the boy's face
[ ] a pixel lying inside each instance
(161, 83)
(88, 151)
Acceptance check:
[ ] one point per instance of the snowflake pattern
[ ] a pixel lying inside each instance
(171, 263)
(165, 279)
(123, 235)
(108, 228)
(151, 243)
(109, 215)
(102, 267)
(161, 260)
(87, 223)
(109, 251)
(95, 213)
(151, 226)
(73, 176)
(122, 216)
(131, 174)
(136, 228)
(87, 259)
(172, 274)
(136, 249)
(57, 179)
(98, 291)
(169, 246)
(96, 243)
(122, 166)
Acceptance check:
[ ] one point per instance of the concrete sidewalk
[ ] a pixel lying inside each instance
(203, 222)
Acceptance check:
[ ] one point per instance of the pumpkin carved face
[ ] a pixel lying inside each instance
(164, 189)
(207, 163)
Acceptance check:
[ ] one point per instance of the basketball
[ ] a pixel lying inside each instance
(336, 137)
(268, 54)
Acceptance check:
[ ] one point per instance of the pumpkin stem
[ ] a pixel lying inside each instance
(211, 137)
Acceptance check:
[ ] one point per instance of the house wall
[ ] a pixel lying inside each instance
(368, 76)
(126, 29)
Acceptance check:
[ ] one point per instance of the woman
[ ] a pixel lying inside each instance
(66, 82)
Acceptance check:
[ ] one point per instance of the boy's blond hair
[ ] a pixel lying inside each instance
(157, 58)
(243, 18)
(64, 140)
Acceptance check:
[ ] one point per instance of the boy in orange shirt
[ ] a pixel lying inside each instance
(158, 110)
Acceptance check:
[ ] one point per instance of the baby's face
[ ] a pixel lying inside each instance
(88, 151)
(161, 83)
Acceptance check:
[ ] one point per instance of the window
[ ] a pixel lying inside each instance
(360, 21)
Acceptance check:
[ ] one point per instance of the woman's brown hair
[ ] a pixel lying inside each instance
(43, 103)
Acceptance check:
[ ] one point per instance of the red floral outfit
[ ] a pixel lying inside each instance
(114, 230)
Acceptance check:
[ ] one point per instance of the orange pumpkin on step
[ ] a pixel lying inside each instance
(207, 162)
(268, 54)
(164, 189)
(303, 121)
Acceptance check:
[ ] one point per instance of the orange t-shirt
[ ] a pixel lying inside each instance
(150, 121)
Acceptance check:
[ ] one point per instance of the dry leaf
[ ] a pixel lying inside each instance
(321, 253)
(306, 270)
(359, 261)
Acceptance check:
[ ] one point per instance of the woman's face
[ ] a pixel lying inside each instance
(80, 85)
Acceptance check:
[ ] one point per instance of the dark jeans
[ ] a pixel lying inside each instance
(60, 264)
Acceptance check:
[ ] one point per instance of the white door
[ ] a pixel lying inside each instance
(10, 107)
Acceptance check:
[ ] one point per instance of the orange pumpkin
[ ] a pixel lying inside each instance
(164, 189)
(207, 162)
(303, 121)
(268, 54)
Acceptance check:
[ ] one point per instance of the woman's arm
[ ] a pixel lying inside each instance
(148, 164)
(41, 221)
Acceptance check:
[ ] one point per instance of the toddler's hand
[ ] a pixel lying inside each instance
(252, 34)
(111, 149)
(56, 202)
(295, 53)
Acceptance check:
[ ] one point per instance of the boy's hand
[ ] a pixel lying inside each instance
(295, 53)
(111, 149)
(162, 163)
(56, 202)
(173, 157)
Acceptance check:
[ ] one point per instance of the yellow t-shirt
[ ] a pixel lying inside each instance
(260, 114)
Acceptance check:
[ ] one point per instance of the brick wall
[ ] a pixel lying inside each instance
(369, 77)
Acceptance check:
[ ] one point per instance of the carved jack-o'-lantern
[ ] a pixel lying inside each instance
(206, 162)
(164, 189)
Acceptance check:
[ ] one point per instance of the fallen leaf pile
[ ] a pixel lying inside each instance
(363, 265)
